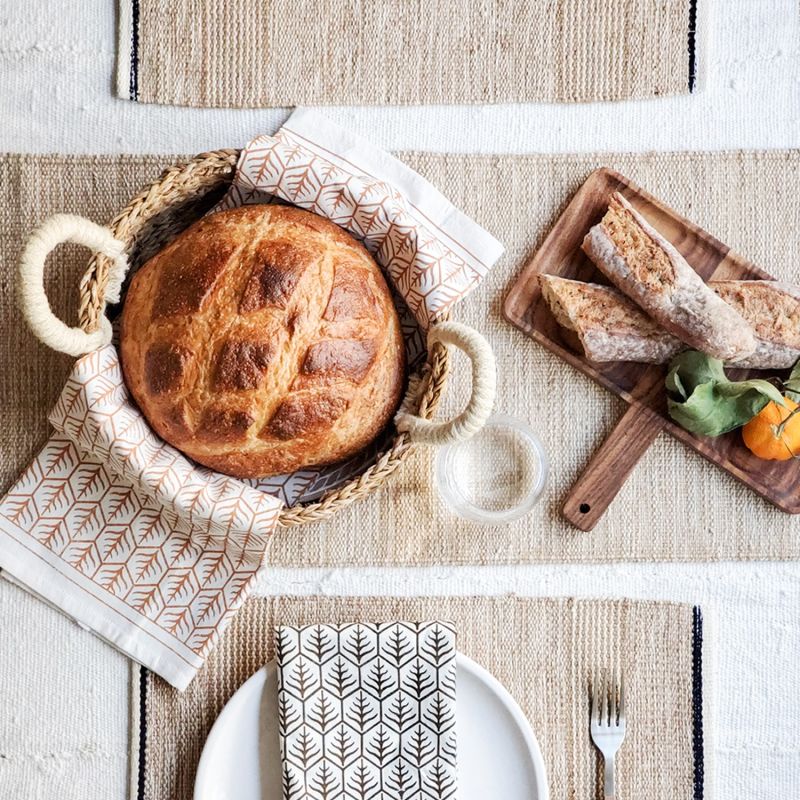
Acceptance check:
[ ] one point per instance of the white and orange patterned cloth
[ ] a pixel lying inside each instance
(126, 535)
(141, 545)
(434, 254)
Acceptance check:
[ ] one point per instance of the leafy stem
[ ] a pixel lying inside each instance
(779, 429)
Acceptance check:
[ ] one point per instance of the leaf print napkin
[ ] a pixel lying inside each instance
(367, 711)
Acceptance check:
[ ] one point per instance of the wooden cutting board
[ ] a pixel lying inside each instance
(641, 385)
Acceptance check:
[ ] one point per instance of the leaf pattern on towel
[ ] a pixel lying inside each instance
(156, 539)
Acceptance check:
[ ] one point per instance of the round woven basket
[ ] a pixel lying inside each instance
(162, 210)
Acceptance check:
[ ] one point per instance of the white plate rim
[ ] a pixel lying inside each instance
(462, 662)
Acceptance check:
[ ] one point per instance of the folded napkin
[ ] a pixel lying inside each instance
(150, 551)
(367, 710)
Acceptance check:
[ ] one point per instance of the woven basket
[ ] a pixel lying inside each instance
(154, 217)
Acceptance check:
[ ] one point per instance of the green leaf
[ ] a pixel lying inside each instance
(694, 368)
(701, 399)
(792, 384)
(736, 388)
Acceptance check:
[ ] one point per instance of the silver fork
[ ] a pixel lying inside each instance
(608, 724)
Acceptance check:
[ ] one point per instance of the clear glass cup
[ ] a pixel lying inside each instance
(495, 477)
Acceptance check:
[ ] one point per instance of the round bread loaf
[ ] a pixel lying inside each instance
(262, 340)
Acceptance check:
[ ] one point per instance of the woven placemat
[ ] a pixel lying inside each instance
(543, 651)
(674, 507)
(339, 52)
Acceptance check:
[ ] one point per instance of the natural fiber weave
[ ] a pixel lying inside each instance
(543, 651)
(674, 507)
(323, 52)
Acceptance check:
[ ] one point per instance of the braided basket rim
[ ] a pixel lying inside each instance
(193, 180)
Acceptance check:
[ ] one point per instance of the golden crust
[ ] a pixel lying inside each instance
(262, 340)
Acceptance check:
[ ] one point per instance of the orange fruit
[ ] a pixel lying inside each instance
(760, 435)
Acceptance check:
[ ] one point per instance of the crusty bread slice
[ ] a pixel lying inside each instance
(610, 327)
(646, 267)
(772, 308)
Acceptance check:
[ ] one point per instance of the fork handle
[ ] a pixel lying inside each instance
(610, 780)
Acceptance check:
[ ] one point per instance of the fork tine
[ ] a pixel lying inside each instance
(612, 691)
(608, 722)
(604, 697)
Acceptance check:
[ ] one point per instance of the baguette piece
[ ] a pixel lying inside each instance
(772, 308)
(646, 267)
(610, 327)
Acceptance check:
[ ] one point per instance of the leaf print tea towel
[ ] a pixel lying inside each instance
(367, 711)
(434, 254)
(147, 549)
(127, 536)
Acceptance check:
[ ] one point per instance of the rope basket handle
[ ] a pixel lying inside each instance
(481, 401)
(177, 184)
(46, 326)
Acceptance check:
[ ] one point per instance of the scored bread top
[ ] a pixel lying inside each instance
(646, 267)
(262, 340)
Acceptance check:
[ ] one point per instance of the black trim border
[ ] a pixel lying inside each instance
(140, 775)
(133, 86)
(697, 704)
(692, 44)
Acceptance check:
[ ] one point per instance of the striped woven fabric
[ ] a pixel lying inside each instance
(543, 651)
(323, 52)
(674, 506)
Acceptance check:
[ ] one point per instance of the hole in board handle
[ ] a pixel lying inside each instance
(584, 508)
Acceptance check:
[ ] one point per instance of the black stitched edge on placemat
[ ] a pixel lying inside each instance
(697, 702)
(697, 713)
(142, 732)
(692, 44)
(133, 88)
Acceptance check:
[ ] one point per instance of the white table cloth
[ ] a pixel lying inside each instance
(64, 693)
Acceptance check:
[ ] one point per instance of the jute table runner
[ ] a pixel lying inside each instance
(543, 651)
(342, 52)
(675, 506)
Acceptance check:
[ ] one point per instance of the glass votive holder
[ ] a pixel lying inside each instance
(495, 477)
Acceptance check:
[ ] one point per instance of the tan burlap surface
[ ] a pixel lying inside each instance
(339, 52)
(674, 507)
(542, 650)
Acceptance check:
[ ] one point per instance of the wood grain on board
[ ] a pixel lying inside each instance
(641, 385)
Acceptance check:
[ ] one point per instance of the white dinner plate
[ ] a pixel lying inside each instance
(498, 755)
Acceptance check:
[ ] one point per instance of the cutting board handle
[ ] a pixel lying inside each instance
(593, 492)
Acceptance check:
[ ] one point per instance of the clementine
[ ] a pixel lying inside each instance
(764, 438)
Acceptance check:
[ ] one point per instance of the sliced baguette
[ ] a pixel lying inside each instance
(647, 268)
(609, 326)
(772, 309)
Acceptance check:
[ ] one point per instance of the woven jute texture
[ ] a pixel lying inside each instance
(334, 52)
(543, 651)
(674, 506)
